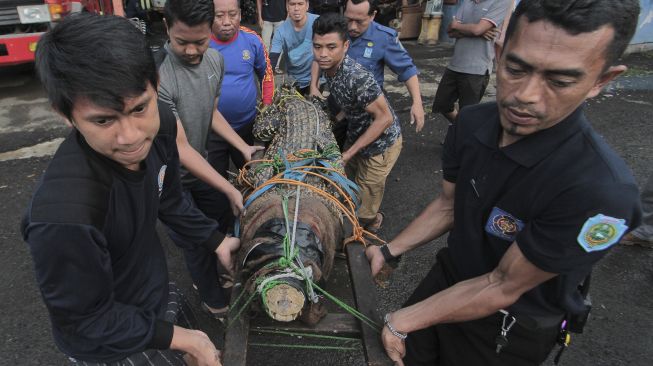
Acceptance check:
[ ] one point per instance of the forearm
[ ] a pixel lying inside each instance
(380, 123)
(315, 75)
(470, 29)
(477, 297)
(468, 300)
(259, 10)
(434, 221)
(412, 84)
(274, 58)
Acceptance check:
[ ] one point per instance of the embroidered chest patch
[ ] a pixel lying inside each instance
(601, 232)
(246, 55)
(503, 225)
(161, 177)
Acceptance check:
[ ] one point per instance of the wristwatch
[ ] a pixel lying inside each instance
(390, 259)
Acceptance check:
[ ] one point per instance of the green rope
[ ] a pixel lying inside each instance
(360, 316)
(307, 335)
(241, 309)
(287, 262)
(305, 346)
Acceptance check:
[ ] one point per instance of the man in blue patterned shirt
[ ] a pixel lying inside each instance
(373, 139)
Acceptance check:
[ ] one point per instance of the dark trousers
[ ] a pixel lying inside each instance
(202, 262)
(178, 311)
(467, 89)
(472, 342)
(220, 151)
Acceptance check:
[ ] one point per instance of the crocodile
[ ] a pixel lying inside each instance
(298, 136)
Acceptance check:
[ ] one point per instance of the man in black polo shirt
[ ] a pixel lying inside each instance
(531, 198)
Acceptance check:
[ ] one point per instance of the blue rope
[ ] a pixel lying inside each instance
(350, 187)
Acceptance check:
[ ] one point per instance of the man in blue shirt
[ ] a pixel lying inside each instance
(293, 39)
(375, 46)
(245, 57)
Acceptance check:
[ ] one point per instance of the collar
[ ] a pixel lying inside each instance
(134, 176)
(232, 40)
(533, 148)
(341, 67)
(369, 33)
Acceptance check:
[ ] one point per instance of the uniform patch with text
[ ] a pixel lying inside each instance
(503, 225)
(601, 232)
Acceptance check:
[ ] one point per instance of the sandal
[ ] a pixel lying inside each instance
(220, 316)
(376, 224)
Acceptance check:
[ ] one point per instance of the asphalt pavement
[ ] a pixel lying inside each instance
(620, 330)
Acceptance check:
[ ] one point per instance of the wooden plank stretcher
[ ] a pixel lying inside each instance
(363, 293)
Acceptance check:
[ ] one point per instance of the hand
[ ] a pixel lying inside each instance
(250, 151)
(236, 202)
(225, 250)
(260, 21)
(491, 34)
(450, 27)
(315, 92)
(199, 349)
(394, 346)
(417, 116)
(189, 360)
(376, 259)
(346, 156)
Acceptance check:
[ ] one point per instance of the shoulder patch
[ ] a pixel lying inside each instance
(601, 232)
(503, 225)
(393, 33)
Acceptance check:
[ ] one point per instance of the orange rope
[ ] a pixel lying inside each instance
(349, 212)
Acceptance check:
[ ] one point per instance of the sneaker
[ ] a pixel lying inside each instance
(630, 239)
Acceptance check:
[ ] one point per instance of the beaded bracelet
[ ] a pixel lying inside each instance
(398, 334)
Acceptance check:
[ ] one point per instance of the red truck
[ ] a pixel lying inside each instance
(23, 21)
(21, 24)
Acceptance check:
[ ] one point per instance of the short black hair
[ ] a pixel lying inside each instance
(102, 58)
(330, 23)
(373, 5)
(583, 16)
(189, 12)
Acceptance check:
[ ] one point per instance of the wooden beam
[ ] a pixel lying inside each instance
(365, 296)
(237, 335)
(340, 324)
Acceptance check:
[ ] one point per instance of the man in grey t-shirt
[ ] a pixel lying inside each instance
(475, 26)
(190, 80)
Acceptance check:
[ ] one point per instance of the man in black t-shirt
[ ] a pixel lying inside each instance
(531, 198)
(270, 15)
(91, 224)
